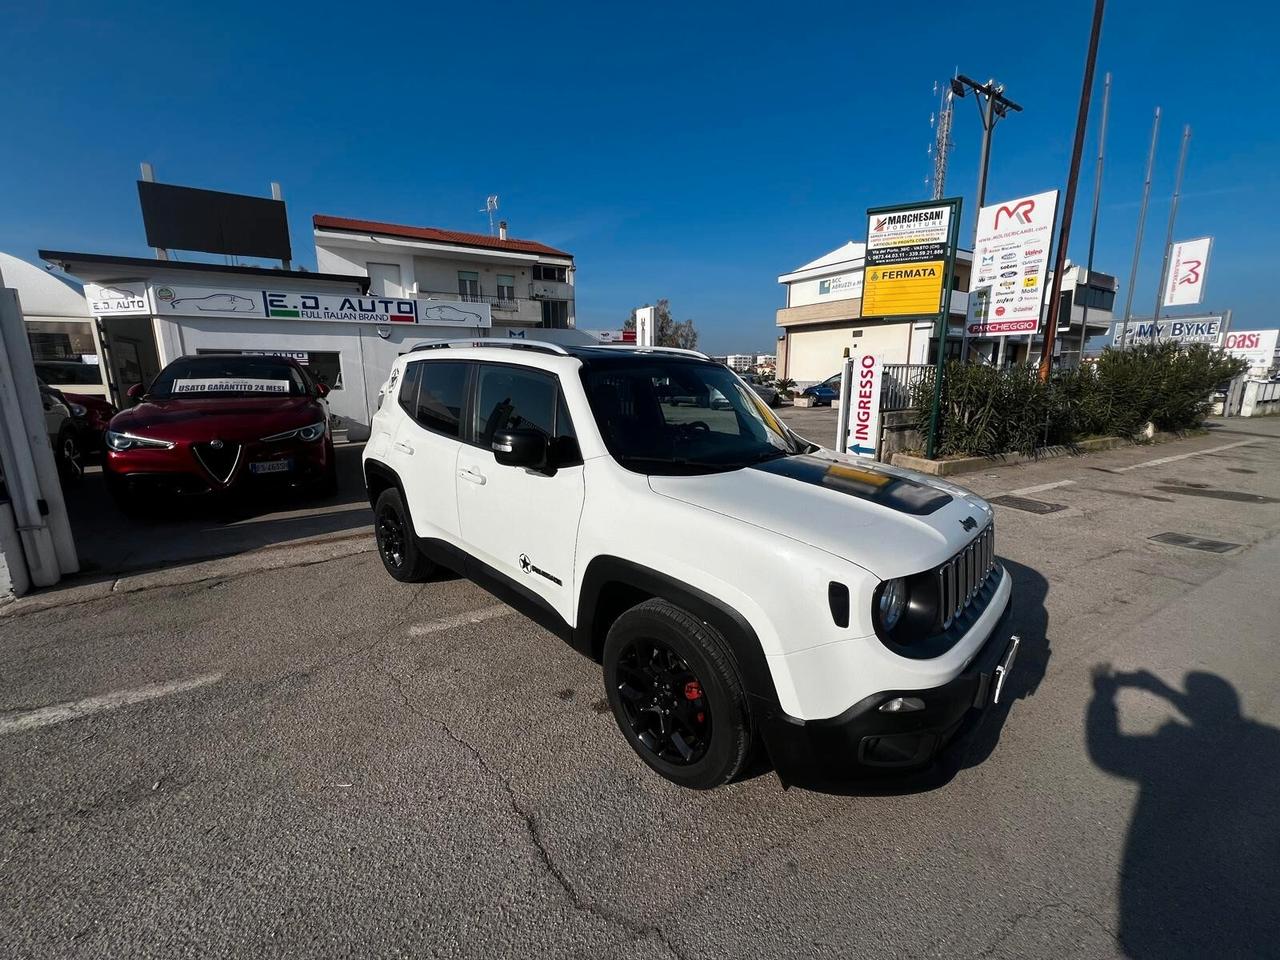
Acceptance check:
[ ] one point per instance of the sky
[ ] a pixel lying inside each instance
(693, 151)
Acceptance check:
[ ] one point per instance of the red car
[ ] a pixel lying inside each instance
(214, 424)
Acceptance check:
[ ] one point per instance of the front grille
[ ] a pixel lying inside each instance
(220, 461)
(962, 577)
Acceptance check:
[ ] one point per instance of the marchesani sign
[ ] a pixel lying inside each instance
(906, 260)
(1010, 265)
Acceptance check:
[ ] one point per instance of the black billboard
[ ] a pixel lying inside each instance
(184, 218)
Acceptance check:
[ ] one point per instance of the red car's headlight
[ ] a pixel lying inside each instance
(127, 441)
(313, 431)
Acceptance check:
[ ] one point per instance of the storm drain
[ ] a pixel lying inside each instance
(1238, 496)
(1030, 506)
(1194, 543)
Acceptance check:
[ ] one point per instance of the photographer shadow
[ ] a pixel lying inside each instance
(1201, 872)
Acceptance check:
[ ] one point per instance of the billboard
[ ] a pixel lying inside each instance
(1188, 266)
(1011, 266)
(1256, 346)
(1206, 329)
(908, 248)
(184, 218)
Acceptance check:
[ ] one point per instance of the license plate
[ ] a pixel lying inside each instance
(1003, 667)
(271, 466)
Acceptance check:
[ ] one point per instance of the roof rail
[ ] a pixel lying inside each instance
(632, 346)
(537, 346)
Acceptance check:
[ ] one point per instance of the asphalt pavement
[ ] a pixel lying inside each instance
(314, 760)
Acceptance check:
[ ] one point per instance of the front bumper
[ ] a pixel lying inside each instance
(179, 473)
(864, 744)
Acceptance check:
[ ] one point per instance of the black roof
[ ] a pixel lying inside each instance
(150, 264)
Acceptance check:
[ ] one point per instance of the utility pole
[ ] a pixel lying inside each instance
(1137, 243)
(1168, 240)
(1073, 178)
(996, 107)
(1093, 226)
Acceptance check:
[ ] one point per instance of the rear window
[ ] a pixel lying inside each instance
(229, 376)
(442, 390)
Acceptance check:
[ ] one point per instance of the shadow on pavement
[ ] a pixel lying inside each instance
(110, 543)
(1201, 873)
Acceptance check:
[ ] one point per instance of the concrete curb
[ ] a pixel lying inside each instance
(947, 468)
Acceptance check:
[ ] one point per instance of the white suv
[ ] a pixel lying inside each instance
(740, 585)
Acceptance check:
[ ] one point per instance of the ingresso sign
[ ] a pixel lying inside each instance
(1206, 330)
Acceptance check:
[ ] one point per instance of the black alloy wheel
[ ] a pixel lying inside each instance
(70, 461)
(663, 701)
(397, 548)
(390, 535)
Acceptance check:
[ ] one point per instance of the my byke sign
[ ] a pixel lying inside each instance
(908, 248)
(180, 300)
(1186, 330)
(117, 299)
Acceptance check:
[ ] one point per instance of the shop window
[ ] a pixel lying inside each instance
(468, 284)
(64, 352)
(324, 366)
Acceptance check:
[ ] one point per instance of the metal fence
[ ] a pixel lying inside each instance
(901, 383)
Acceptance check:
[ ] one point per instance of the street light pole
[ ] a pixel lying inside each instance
(997, 106)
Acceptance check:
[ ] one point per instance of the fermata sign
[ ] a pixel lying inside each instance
(1010, 265)
(906, 260)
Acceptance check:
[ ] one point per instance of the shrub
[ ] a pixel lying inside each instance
(986, 411)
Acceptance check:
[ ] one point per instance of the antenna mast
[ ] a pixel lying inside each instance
(941, 149)
(490, 207)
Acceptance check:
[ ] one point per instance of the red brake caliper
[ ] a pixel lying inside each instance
(693, 691)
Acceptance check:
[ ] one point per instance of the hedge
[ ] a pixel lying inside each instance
(987, 411)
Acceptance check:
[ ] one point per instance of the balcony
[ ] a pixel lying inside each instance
(509, 304)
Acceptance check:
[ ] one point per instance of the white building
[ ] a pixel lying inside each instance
(526, 284)
(822, 316)
(740, 362)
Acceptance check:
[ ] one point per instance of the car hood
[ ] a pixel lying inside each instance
(889, 521)
(222, 418)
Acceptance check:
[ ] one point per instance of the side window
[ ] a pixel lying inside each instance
(510, 398)
(409, 388)
(441, 396)
(565, 444)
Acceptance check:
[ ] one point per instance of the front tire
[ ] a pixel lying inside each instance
(69, 458)
(676, 695)
(397, 546)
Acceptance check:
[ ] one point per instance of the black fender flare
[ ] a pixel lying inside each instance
(743, 642)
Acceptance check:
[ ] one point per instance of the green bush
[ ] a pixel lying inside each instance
(986, 411)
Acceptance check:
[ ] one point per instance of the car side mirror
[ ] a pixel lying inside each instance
(322, 390)
(520, 448)
(135, 392)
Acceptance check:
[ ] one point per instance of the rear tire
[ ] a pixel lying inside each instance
(676, 695)
(397, 546)
(69, 456)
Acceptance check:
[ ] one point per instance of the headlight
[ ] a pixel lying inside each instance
(308, 433)
(76, 409)
(891, 603)
(127, 441)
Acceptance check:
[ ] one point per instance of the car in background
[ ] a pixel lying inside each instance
(90, 416)
(63, 435)
(766, 392)
(215, 424)
(824, 393)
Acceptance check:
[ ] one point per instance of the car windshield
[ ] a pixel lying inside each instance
(661, 415)
(228, 376)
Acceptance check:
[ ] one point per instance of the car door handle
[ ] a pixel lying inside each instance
(473, 476)
(403, 447)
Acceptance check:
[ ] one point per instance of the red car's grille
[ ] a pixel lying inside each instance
(218, 457)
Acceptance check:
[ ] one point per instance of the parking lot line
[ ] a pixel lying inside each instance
(461, 619)
(1182, 456)
(1039, 488)
(76, 709)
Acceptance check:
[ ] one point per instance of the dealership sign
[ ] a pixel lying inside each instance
(196, 301)
(908, 249)
(1258, 347)
(117, 299)
(1010, 266)
(1188, 266)
(1186, 330)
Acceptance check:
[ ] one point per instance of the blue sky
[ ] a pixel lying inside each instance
(687, 150)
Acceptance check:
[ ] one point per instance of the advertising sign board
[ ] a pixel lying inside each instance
(1010, 266)
(1206, 330)
(645, 323)
(117, 299)
(1256, 346)
(846, 286)
(1188, 267)
(858, 422)
(906, 260)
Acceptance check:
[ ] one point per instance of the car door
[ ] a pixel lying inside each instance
(522, 523)
(425, 445)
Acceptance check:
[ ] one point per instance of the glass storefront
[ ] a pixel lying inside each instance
(64, 352)
(324, 365)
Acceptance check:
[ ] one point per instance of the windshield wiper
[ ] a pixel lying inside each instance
(683, 462)
(772, 455)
